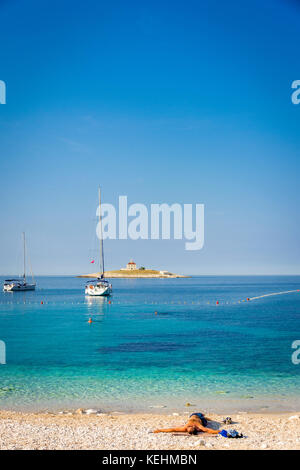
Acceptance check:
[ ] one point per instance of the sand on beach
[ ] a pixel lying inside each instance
(117, 431)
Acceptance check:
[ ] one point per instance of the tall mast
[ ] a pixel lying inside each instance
(101, 264)
(24, 249)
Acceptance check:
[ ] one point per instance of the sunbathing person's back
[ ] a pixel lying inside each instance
(197, 423)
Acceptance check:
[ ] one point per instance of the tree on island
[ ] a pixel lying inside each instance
(142, 268)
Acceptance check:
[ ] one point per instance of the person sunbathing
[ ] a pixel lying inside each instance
(197, 423)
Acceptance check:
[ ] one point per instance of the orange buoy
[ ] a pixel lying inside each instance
(248, 299)
(155, 313)
(217, 302)
(109, 301)
(90, 320)
(42, 302)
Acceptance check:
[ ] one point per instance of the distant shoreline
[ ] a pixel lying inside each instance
(135, 274)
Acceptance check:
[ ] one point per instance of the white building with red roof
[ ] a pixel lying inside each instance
(131, 266)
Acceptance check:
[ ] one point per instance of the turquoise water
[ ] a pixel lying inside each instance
(222, 357)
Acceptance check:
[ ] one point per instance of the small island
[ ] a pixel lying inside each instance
(132, 271)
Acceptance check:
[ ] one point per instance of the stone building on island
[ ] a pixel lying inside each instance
(131, 266)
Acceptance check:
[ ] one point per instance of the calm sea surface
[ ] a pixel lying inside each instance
(231, 356)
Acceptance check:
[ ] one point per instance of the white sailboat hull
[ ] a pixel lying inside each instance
(18, 287)
(98, 290)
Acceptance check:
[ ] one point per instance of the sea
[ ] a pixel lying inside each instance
(155, 345)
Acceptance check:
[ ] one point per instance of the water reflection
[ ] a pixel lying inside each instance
(96, 305)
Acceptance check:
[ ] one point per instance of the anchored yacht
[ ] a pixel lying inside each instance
(20, 284)
(100, 286)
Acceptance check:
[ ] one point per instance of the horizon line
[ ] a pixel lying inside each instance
(192, 275)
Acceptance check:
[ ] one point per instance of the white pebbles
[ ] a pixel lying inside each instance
(92, 429)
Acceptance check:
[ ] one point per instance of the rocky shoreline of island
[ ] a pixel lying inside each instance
(131, 271)
(136, 274)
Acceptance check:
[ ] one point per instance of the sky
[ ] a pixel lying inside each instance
(164, 102)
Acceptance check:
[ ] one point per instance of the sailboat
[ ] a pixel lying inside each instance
(14, 285)
(100, 286)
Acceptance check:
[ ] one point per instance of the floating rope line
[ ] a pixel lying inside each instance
(274, 293)
(149, 302)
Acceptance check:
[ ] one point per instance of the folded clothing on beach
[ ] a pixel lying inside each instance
(232, 433)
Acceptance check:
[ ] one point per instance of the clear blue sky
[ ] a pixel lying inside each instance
(160, 101)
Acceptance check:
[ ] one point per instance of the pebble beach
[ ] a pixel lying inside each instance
(114, 431)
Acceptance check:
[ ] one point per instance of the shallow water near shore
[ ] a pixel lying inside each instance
(234, 355)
